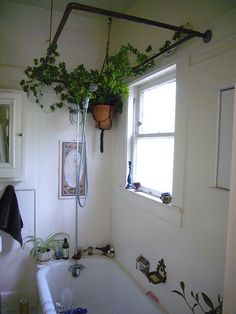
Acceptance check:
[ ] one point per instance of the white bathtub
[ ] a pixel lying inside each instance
(103, 287)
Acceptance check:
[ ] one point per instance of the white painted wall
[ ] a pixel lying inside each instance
(194, 252)
(230, 272)
(23, 32)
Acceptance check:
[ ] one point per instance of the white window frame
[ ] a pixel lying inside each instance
(171, 213)
(163, 77)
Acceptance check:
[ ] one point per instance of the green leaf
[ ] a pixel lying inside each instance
(193, 307)
(219, 299)
(197, 297)
(25, 89)
(182, 285)
(178, 292)
(176, 36)
(207, 301)
(59, 104)
(149, 49)
(52, 107)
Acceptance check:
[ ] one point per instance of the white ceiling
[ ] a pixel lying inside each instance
(59, 5)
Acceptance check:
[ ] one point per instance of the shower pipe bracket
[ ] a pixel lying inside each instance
(206, 36)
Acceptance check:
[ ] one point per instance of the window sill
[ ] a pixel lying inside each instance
(153, 205)
(218, 188)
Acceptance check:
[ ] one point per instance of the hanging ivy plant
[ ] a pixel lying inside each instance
(72, 88)
(175, 38)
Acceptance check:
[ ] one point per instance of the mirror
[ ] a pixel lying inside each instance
(4, 133)
(11, 135)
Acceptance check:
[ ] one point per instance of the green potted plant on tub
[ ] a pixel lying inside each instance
(44, 249)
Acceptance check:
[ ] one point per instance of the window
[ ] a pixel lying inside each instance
(154, 133)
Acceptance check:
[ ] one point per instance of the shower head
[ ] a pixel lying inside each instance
(93, 87)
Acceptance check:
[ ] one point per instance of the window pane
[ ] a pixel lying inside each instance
(154, 163)
(157, 111)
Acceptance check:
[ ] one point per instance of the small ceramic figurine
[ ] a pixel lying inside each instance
(129, 177)
(166, 198)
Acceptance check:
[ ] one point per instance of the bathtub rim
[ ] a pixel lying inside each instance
(44, 292)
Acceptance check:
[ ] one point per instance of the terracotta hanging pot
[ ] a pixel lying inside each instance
(102, 114)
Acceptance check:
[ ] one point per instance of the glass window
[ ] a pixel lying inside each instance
(157, 109)
(153, 135)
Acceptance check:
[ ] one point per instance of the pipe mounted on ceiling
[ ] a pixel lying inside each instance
(206, 36)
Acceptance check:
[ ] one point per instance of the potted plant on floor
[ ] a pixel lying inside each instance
(44, 249)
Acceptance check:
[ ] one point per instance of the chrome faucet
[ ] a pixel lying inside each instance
(76, 269)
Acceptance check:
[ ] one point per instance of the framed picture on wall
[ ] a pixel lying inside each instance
(67, 170)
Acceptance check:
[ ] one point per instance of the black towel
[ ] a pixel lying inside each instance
(10, 218)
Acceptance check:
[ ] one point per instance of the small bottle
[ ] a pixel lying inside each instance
(111, 253)
(65, 249)
(24, 306)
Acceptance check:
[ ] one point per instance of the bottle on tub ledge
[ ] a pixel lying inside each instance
(107, 250)
(65, 249)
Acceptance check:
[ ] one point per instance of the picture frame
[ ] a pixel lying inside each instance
(67, 170)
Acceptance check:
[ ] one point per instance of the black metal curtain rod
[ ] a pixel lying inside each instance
(77, 6)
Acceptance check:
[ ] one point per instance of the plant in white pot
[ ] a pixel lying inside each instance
(44, 249)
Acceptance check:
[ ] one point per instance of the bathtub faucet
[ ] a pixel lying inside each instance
(76, 269)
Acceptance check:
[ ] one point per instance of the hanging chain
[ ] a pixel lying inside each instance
(50, 25)
(108, 37)
(108, 43)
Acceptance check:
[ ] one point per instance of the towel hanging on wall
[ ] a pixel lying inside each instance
(10, 218)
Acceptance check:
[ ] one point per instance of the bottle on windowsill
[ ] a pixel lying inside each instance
(65, 249)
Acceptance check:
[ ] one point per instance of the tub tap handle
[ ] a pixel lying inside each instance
(81, 266)
(76, 269)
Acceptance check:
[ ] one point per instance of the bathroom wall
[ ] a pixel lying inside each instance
(191, 241)
(23, 33)
(230, 272)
